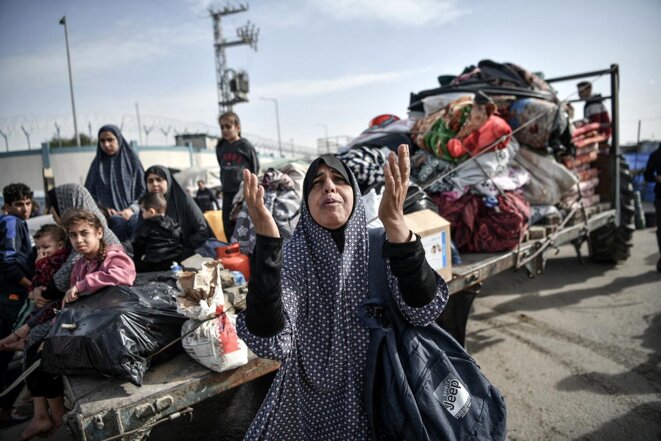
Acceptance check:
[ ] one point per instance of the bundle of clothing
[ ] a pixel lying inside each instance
(465, 127)
(480, 225)
(282, 196)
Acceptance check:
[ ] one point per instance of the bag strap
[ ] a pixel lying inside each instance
(379, 292)
(377, 275)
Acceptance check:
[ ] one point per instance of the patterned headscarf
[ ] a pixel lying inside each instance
(322, 288)
(116, 181)
(75, 196)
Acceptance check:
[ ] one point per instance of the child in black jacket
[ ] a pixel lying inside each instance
(158, 241)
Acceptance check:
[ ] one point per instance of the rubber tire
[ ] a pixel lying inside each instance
(611, 244)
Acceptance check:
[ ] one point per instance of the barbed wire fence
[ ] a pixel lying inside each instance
(28, 131)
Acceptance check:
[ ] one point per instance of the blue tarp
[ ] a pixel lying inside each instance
(637, 162)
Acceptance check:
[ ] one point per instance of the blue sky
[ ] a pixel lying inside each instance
(332, 65)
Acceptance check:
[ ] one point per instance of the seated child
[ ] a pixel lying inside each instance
(52, 252)
(16, 266)
(100, 265)
(158, 241)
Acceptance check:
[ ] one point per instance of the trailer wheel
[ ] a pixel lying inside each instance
(611, 244)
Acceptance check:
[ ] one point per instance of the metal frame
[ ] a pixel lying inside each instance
(491, 264)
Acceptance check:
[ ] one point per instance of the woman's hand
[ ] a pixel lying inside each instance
(37, 297)
(391, 210)
(254, 196)
(71, 295)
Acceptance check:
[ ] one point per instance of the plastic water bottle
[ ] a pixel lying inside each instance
(239, 279)
(175, 268)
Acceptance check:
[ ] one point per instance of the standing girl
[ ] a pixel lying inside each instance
(100, 265)
(234, 155)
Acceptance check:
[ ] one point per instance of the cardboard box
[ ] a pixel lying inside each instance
(435, 234)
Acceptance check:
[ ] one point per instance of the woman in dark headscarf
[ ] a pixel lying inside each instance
(302, 305)
(116, 178)
(181, 207)
(47, 389)
(61, 199)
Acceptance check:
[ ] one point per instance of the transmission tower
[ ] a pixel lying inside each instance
(232, 86)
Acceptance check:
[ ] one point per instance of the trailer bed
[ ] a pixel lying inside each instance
(106, 408)
(478, 267)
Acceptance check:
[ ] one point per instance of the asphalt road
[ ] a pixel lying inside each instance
(575, 351)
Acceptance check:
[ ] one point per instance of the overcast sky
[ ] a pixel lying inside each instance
(332, 65)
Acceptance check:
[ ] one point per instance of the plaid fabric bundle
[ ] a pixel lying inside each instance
(367, 164)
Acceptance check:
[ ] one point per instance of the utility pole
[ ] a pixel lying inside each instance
(232, 86)
(63, 22)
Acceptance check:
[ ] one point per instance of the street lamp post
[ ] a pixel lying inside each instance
(277, 121)
(63, 22)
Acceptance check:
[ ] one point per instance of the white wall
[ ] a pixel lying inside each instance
(25, 169)
(72, 166)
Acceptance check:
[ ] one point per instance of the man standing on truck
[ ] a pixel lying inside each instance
(594, 109)
(653, 174)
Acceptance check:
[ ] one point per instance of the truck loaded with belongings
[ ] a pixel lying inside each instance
(500, 156)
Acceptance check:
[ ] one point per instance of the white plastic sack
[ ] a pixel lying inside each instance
(372, 200)
(215, 344)
(487, 165)
(549, 180)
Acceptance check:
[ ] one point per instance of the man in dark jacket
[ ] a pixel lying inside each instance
(16, 266)
(234, 155)
(158, 241)
(653, 174)
(204, 197)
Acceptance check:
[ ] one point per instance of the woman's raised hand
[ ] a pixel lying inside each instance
(261, 217)
(391, 210)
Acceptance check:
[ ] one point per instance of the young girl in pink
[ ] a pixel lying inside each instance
(99, 266)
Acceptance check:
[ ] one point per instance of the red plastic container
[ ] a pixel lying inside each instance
(232, 259)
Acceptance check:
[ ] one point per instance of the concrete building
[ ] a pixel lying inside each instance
(197, 140)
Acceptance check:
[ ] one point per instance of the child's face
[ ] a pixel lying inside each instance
(20, 209)
(147, 213)
(229, 129)
(46, 246)
(85, 238)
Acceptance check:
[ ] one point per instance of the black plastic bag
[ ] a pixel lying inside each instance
(113, 332)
